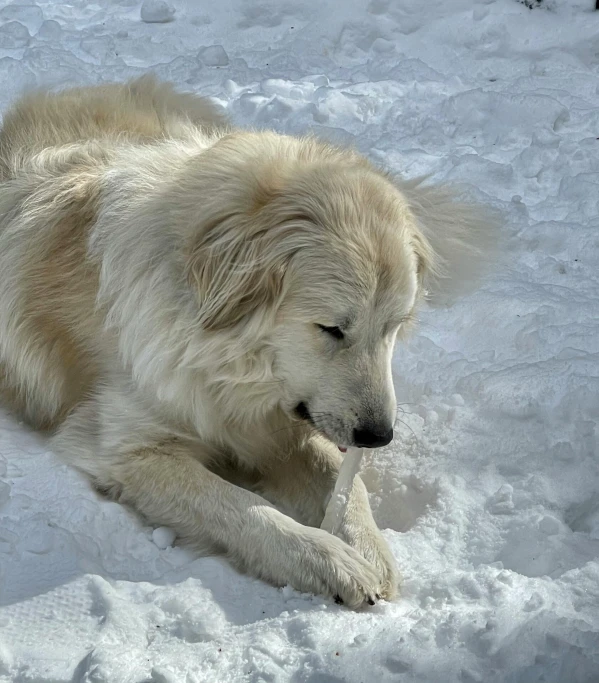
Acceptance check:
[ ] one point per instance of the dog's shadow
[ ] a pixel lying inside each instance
(62, 545)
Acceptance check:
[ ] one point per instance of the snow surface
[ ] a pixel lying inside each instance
(489, 496)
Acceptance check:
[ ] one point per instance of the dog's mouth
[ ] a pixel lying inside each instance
(301, 410)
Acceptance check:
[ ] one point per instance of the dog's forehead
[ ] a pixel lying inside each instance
(361, 257)
(368, 276)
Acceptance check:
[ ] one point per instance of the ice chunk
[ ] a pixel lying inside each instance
(214, 55)
(163, 537)
(49, 30)
(157, 11)
(13, 35)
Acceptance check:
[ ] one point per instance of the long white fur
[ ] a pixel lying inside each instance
(163, 279)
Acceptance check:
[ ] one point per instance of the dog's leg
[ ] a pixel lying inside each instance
(304, 484)
(164, 479)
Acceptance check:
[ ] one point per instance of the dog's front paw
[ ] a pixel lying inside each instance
(369, 542)
(331, 567)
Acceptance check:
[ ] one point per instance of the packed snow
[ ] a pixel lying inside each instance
(489, 495)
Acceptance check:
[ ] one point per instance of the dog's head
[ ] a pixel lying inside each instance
(325, 259)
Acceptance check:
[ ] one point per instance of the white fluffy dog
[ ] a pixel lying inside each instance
(207, 316)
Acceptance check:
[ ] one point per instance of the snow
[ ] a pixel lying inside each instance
(489, 497)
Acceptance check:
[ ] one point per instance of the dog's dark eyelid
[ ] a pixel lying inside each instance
(335, 332)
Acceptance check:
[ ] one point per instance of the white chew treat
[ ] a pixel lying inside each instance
(333, 515)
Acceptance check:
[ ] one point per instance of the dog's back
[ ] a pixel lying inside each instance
(54, 150)
(143, 110)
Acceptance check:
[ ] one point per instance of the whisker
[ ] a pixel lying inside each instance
(405, 424)
(401, 411)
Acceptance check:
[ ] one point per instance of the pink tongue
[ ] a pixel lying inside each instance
(343, 450)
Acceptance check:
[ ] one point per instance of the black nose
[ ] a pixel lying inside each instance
(372, 438)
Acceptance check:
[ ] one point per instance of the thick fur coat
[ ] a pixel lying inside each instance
(204, 317)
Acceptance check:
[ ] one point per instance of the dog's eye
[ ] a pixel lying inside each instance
(335, 332)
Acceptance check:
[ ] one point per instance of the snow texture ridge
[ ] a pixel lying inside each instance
(489, 496)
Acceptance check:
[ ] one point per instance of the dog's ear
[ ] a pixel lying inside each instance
(237, 259)
(454, 241)
(236, 273)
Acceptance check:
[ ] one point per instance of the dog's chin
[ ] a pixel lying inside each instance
(301, 410)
